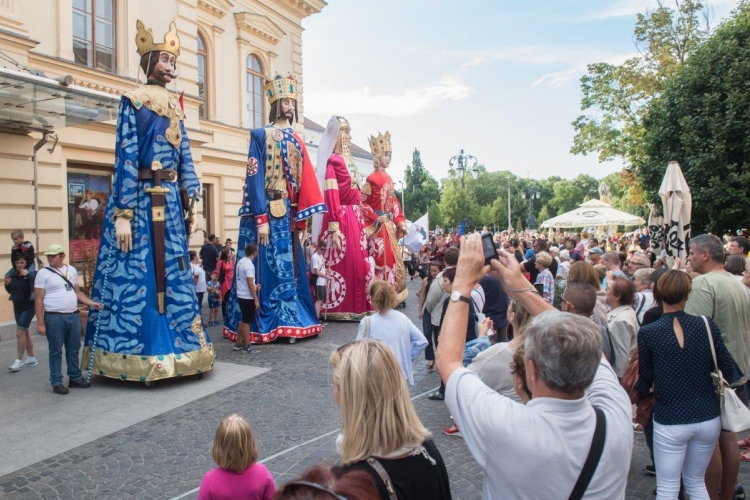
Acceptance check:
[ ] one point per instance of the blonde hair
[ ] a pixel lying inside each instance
(383, 296)
(377, 415)
(234, 446)
(544, 259)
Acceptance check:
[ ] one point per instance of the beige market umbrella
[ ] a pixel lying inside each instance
(594, 213)
(678, 205)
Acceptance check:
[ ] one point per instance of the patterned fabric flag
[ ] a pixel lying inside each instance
(417, 235)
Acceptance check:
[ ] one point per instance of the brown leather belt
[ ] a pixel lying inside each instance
(146, 174)
(273, 194)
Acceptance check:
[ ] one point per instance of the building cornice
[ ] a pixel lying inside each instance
(303, 8)
(83, 76)
(216, 8)
(258, 25)
(20, 41)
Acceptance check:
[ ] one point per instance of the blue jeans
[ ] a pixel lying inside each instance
(63, 330)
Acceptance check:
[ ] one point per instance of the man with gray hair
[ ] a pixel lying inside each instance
(637, 261)
(579, 298)
(573, 390)
(722, 297)
(644, 296)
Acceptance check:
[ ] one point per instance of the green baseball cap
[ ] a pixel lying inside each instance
(54, 250)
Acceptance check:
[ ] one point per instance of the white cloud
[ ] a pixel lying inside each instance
(362, 100)
(625, 8)
(557, 79)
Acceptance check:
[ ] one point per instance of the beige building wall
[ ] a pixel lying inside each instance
(39, 34)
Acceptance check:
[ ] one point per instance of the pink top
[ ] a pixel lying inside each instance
(254, 483)
(226, 285)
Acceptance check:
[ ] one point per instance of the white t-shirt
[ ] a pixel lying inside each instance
(318, 266)
(58, 295)
(198, 271)
(490, 421)
(245, 269)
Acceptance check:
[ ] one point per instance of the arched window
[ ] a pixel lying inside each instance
(202, 84)
(254, 89)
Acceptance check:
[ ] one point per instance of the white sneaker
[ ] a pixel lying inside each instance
(17, 366)
(30, 361)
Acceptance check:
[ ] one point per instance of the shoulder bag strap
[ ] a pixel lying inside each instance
(595, 454)
(378, 467)
(718, 377)
(52, 269)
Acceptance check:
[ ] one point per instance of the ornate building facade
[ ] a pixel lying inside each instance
(228, 49)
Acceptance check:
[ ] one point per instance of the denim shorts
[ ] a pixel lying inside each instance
(23, 318)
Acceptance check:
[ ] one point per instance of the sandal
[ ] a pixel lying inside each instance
(745, 456)
(436, 396)
(431, 365)
(744, 442)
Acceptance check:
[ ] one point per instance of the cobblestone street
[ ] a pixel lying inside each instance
(290, 407)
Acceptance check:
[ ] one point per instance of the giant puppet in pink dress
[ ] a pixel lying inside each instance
(346, 258)
(384, 220)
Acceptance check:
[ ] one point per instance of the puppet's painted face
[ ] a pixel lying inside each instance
(385, 159)
(287, 108)
(346, 136)
(165, 68)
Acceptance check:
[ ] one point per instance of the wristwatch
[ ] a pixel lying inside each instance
(456, 297)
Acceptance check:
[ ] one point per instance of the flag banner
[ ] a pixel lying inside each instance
(417, 235)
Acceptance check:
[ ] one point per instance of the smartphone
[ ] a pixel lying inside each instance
(488, 246)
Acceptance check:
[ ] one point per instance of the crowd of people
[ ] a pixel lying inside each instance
(531, 349)
(524, 365)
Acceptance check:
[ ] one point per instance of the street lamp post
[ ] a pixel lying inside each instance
(532, 194)
(403, 203)
(463, 161)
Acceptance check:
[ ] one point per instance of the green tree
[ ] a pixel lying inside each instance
(543, 215)
(421, 188)
(569, 194)
(436, 215)
(618, 95)
(701, 120)
(457, 204)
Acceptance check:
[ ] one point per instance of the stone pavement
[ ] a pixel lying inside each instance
(290, 407)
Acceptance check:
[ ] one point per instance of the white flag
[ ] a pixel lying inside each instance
(417, 235)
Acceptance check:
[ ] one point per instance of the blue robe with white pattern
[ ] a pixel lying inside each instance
(131, 340)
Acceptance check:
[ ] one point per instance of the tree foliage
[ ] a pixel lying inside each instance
(616, 96)
(421, 188)
(701, 120)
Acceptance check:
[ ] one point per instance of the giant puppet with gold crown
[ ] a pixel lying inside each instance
(385, 220)
(281, 193)
(151, 326)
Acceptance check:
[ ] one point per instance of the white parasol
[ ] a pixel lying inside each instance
(594, 213)
(678, 206)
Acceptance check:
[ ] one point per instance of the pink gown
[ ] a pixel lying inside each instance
(346, 293)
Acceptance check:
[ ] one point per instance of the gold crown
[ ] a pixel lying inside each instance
(380, 144)
(144, 40)
(281, 88)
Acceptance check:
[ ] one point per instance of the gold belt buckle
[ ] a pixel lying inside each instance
(172, 175)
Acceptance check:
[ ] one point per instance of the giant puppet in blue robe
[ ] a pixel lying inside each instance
(281, 191)
(135, 337)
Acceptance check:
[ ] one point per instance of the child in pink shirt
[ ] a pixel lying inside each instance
(238, 476)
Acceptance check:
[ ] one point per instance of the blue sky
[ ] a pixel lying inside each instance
(497, 78)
